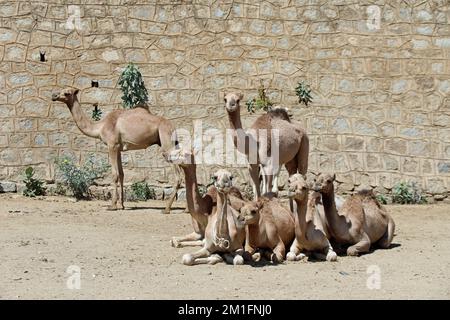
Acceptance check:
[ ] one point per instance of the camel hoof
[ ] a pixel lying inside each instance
(215, 258)
(121, 207)
(175, 243)
(352, 252)
(291, 256)
(111, 208)
(187, 259)
(331, 256)
(238, 260)
(164, 211)
(256, 257)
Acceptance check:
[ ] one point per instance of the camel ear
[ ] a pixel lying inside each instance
(75, 91)
(240, 95)
(334, 176)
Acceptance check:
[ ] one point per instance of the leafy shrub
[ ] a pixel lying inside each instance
(381, 198)
(33, 187)
(261, 102)
(141, 192)
(79, 179)
(133, 88)
(303, 92)
(407, 193)
(96, 113)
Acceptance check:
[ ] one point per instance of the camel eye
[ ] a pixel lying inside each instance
(237, 101)
(214, 178)
(231, 178)
(225, 100)
(66, 94)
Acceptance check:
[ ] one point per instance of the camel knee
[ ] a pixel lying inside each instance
(291, 256)
(238, 260)
(331, 256)
(188, 259)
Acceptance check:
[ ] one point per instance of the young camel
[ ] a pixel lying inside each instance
(200, 207)
(310, 226)
(360, 222)
(224, 233)
(270, 228)
(292, 145)
(123, 130)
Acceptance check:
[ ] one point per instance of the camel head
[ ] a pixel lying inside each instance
(66, 96)
(181, 157)
(298, 187)
(324, 183)
(232, 101)
(223, 180)
(249, 213)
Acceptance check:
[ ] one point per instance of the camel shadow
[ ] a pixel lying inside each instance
(341, 251)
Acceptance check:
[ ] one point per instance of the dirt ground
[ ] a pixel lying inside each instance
(127, 255)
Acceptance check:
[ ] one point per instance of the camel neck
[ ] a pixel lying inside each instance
(82, 121)
(329, 206)
(193, 198)
(235, 119)
(302, 207)
(221, 226)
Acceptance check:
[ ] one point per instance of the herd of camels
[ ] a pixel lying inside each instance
(233, 229)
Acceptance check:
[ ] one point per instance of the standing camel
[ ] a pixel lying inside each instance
(123, 130)
(224, 234)
(361, 220)
(200, 207)
(292, 144)
(311, 234)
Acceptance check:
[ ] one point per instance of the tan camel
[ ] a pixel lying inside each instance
(200, 207)
(360, 222)
(224, 234)
(270, 228)
(310, 226)
(122, 130)
(292, 144)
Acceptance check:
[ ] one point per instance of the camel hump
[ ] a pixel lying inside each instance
(143, 106)
(279, 113)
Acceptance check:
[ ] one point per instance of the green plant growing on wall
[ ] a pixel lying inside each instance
(33, 187)
(78, 179)
(407, 193)
(303, 92)
(142, 192)
(262, 101)
(133, 88)
(96, 113)
(381, 198)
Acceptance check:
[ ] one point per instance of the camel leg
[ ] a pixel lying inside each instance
(191, 240)
(362, 246)
(291, 167)
(234, 257)
(177, 185)
(294, 253)
(254, 175)
(202, 256)
(303, 155)
(114, 155)
(278, 252)
(275, 181)
(121, 176)
(386, 239)
(329, 254)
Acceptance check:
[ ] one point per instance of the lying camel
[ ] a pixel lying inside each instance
(310, 225)
(224, 234)
(200, 207)
(360, 222)
(270, 227)
(292, 147)
(123, 130)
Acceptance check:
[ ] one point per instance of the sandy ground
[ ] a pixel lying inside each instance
(127, 255)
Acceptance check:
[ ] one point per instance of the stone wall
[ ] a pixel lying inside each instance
(381, 109)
